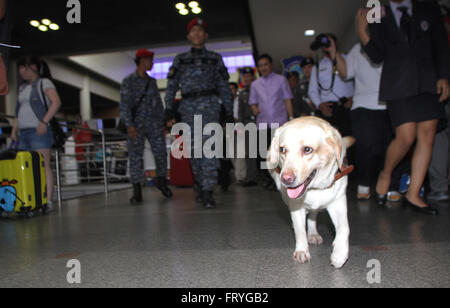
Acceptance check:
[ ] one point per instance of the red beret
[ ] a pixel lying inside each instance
(144, 53)
(197, 22)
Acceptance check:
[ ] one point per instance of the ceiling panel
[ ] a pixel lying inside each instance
(280, 25)
(113, 25)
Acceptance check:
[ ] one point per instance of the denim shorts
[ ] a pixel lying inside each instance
(30, 141)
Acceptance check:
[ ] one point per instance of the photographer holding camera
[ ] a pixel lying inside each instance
(331, 94)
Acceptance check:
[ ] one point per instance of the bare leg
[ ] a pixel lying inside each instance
(426, 132)
(405, 137)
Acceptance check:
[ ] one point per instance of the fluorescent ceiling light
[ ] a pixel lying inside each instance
(310, 32)
(46, 22)
(43, 28)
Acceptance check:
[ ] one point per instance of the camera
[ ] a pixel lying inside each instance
(323, 41)
(343, 101)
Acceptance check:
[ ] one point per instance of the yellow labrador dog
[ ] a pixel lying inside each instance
(304, 159)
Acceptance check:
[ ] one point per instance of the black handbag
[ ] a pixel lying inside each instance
(121, 126)
(59, 137)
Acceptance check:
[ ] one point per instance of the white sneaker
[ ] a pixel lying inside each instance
(49, 208)
(395, 196)
(363, 193)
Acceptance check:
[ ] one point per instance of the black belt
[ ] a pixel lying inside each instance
(201, 94)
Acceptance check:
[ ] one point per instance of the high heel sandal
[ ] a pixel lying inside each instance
(422, 210)
(381, 200)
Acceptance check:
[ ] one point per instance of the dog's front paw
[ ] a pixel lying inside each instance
(302, 257)
(338, 260)
(315, 239)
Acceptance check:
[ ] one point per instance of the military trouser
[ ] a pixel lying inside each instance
(136, 152)
(205, 169)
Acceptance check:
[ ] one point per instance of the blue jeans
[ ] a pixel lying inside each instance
(30, 141)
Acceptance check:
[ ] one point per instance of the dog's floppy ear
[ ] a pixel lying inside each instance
(334, 140)
(273, 156)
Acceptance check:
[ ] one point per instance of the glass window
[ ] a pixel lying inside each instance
(161, 69)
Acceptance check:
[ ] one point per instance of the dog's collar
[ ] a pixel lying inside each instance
(343, 171)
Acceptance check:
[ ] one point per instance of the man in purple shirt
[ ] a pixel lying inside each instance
(270, 96)
(271, 102)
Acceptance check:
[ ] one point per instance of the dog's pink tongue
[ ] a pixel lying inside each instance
(295, 193)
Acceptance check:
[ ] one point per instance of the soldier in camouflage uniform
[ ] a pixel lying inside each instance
(203, 80)
(142, 112)
(303, 106)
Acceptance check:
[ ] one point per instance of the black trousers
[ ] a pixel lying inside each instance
(373, 133)
(264, 136)
(252, 163)
(340, 119)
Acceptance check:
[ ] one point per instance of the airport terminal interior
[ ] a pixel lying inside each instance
(94, 237)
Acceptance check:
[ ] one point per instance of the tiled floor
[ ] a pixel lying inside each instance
(246, 243)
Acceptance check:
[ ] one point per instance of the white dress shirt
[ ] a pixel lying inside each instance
(341, 88)
(367, 80)
(398, 13)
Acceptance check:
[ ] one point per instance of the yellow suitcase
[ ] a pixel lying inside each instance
(23, 187)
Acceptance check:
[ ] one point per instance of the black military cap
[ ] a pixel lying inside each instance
(247, 70)
(307, 61)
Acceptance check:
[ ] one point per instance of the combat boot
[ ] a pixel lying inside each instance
(161, 184)
(137, 194)
(208, 200)
(198, 190)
